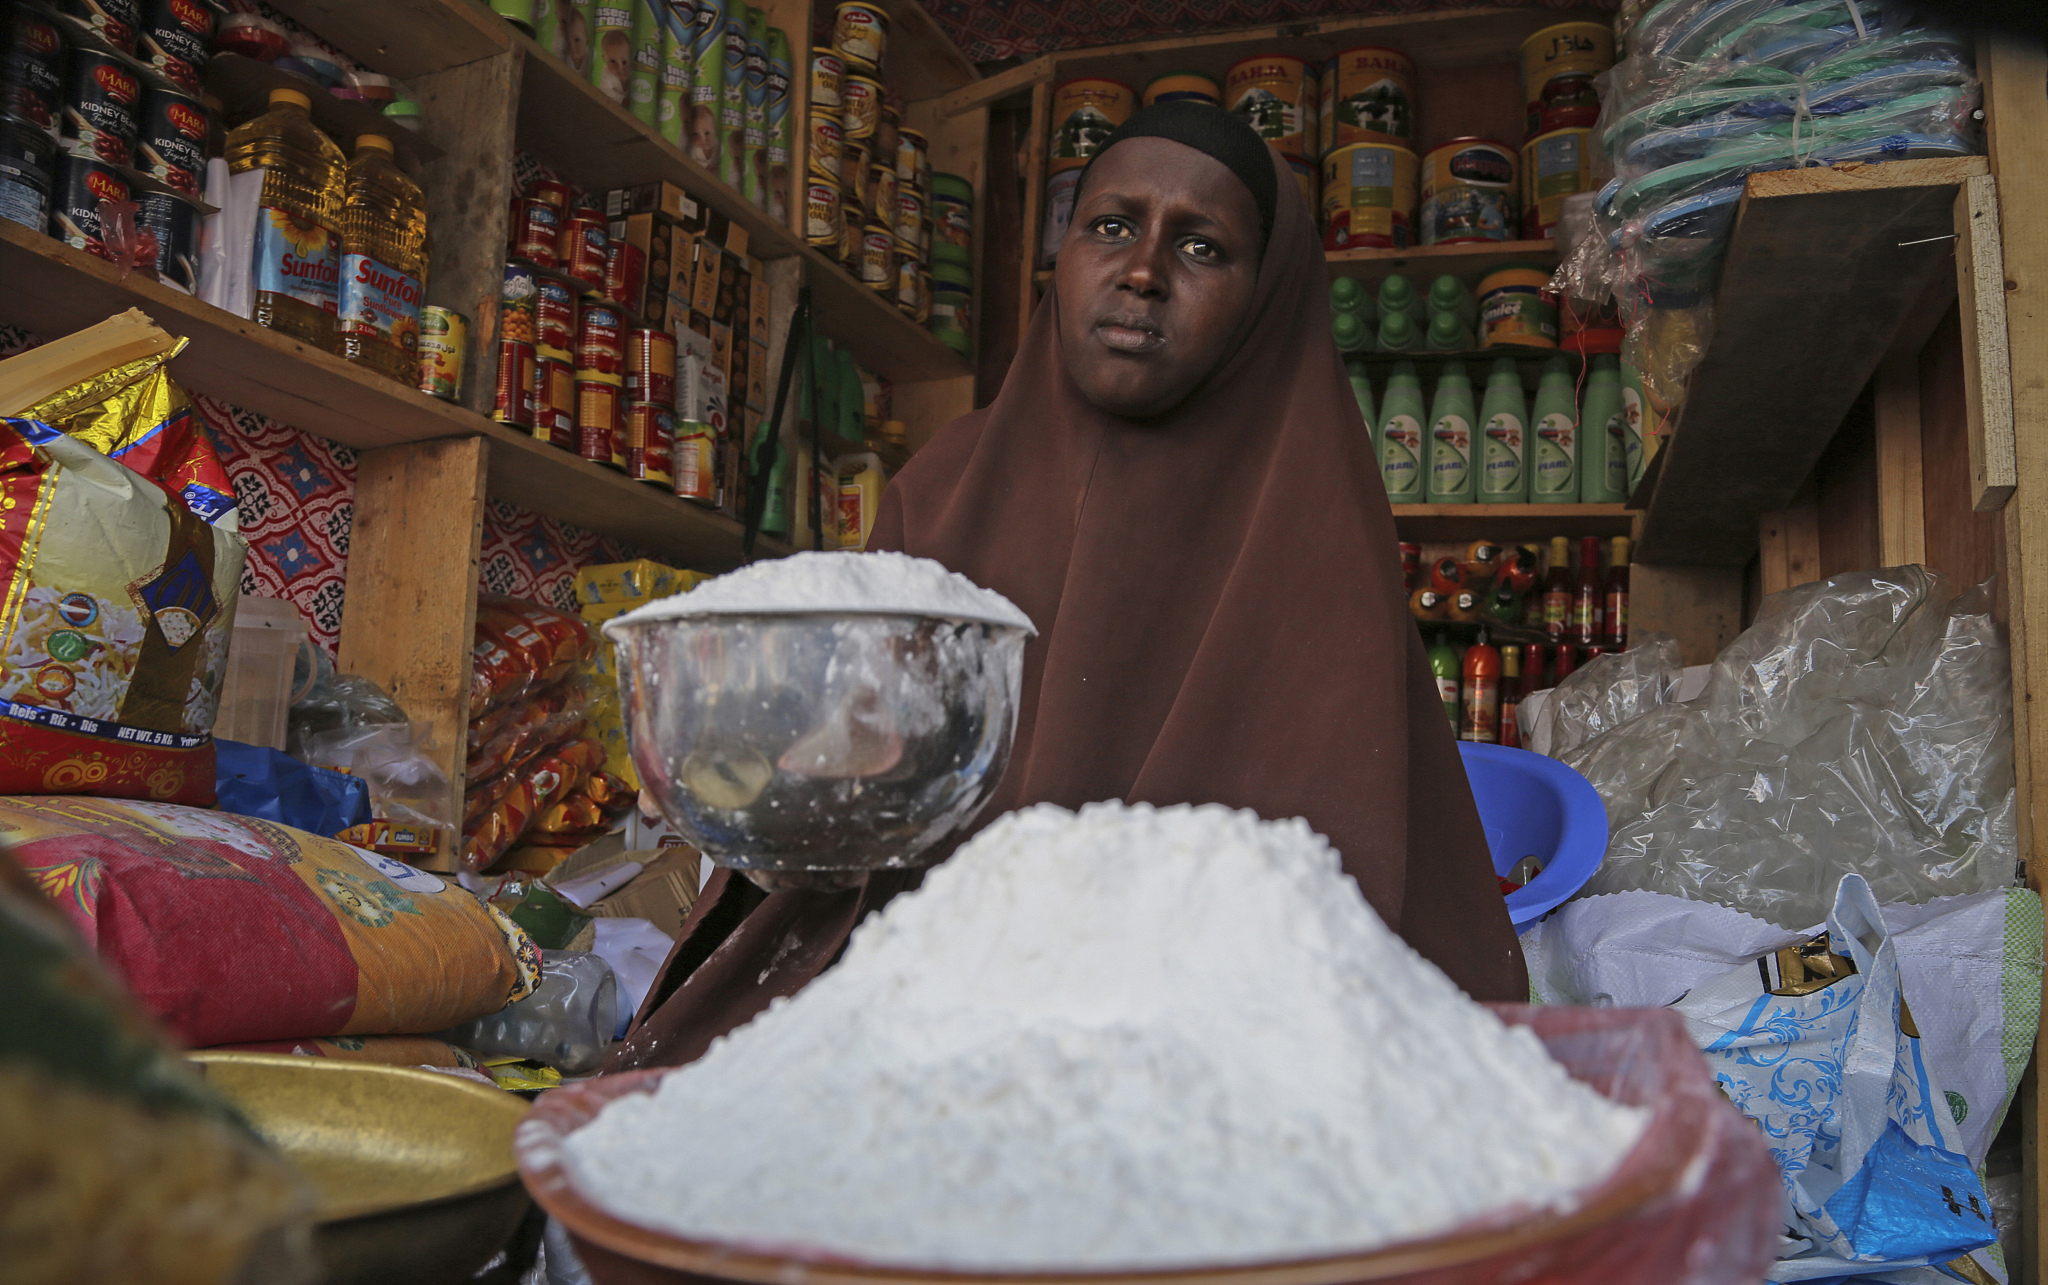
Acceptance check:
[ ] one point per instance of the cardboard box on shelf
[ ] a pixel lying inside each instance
(636, 581)
(704, 289)
(760, 304)
(648, 198)
(655, 236)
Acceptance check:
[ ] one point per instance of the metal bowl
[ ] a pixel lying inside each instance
(810, 749)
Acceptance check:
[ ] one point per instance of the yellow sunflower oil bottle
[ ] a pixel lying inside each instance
(383, 263)
(297, 253)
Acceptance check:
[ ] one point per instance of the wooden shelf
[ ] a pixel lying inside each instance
(243, 86)
(1439, 523)
(1823, 267)
(1429, 261)
(55, 290)
(919, 53)
(404, 38)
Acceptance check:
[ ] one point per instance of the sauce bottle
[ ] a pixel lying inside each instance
(1617, 595)
(1504, 605)
(383, 263)
(1555, 479)
(1504, 415)
(1520, 569)
(296, 262)
(1481, 560)
(1535, 660)
(1481, 693)
(1400, 435)
(1467, 604)
(1557, 590)
(1450, 437)
(856, 494)
(1603, 435)
(1443, 664)
(1429, 604)
(1361, 389)
(1589, 599)
(1446, 576)
(1567, 663)
(1398, 333)
(1510, 697)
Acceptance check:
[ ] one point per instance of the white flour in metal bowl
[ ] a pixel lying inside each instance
(893, 583)
(1126, 1037)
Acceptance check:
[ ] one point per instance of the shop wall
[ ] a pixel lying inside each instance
(1963, 544)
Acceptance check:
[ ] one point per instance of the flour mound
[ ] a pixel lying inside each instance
(895, 583)
(1127, 1037)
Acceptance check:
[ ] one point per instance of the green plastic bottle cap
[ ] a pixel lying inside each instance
(1396, 329)
(1396, 288)
(402, 107)
(1444, 329)
(1347, 330)
(1346, 294)
(952, 187)
(1445, 291)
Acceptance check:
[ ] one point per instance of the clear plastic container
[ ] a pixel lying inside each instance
(296, 267)
(256, 693)
(383, 263)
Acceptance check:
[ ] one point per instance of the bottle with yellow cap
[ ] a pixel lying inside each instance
(296, 263)
(383, 263)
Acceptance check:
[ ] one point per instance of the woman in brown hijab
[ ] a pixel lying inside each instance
(1175, 484)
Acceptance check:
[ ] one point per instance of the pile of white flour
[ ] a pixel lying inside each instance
(824, 582)
(1121, 1037)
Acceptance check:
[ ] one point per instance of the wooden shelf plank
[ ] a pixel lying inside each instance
(243, 86)
(54, 290)
(1428, 261)
(1436, 523)
(1822, 268)
(404, 38)
(921, 53)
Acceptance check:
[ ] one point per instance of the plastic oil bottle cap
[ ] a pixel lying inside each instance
(296, 98)
(376, 143)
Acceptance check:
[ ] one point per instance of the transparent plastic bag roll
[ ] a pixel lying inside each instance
(394, 760)
(566, 1023)
(1613, 689)
(1863, 723)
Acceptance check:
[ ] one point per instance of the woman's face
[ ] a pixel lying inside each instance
(1155, 275)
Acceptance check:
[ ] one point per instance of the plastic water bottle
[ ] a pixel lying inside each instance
(1397, 295)
(383, 263)
(1348, 294)
(296, 263)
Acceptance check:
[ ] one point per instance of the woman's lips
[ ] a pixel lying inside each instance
(1129, 334)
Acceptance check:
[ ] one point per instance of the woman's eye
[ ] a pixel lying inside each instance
(1112, 227)
(1201, 248)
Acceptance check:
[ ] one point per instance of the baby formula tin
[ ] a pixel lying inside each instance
(1368, 196)
(877, 258)
(1375, 98)
(1084, 113)
(913, 158)
(1182, 87)
(1558, 66)
(860, 35)
(1270, 92)
(1468, 192)
(828, 70)
(1554, 166)
(1515, 307)
(828, 140)
(444, 351)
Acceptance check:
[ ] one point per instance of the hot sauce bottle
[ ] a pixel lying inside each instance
(1589, 607)
(1480, 720)
(1557, 590)
(1617, 596)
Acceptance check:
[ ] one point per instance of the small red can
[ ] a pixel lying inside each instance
(597, 416)
(651, 366)
(625, 274)
(515, 384)
(581, 250)
(601, 341)
(1411, 564)
(554, 316)
(536, 233)
(554, 398)
(650, 436)
(549, 192)
(693, 461)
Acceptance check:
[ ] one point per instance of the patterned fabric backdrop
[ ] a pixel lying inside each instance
(989, 30)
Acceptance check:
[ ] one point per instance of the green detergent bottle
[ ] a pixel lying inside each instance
(1603, 435)
(1400, 435)
(1397, 294)
(1398, 333)
(1632, 408)
(1348, 294)
(1445, 667)
(1446, 335)
(1451, 474)
(1448, 294)
(1348, 329)
(1555, 479)
(1504, 437)
(1361, 389)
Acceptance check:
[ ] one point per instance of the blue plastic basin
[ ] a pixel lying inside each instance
(1534, 806)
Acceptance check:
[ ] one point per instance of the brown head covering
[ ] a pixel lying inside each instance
(1221, 620)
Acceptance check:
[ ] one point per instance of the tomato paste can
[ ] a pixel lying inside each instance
(597, 416)
(117, 22)
(31, 67)
(860, 35)
(176, 38)
(1368, 196)
(1516, 307)
(1182, 87)
(536, 232)
(601, 342)
(651, 366)
(1554, 166)
(102, 102)
(878, 258)
(555, 193)
(514, 403)
(860, 107)
(1375, 97)
(554, 317)
(27, 162)
(82, 183)
(1558, 67)
(625, 274)
(581, 252)
(650, 438)
(822, 222)
(554, 402)
(828, 142)
(444, 351)
(174, 219)
(828, 72)
(1084, 114)
(1468, 192)
(1270, 92)
(171, 145)
(516, 301)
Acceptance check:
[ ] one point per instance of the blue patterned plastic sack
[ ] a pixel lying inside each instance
(255, 781)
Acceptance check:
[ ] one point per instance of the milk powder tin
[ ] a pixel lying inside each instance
(913, 158)
(31, 67)
(828, 142)
(1270, 91)
(1515, 307)
(1554, 166)
(176, 35)
(907, 273)
(175, 220)
(1182, 87)
(1368, 196)
(444, 351)
(554, 402)
(649, 441)
(828, 70)
(597, 417)
(860, 35)
(854, 173)
(1374, 96)
(171, 146)
(860, 106)
(909, 225)
(554, 317)
(82, 183)
(101, 112)
(822, 226)
(1468, 192)
(882, 190)
(1558, 67)
(1084, 113)
(514, 403)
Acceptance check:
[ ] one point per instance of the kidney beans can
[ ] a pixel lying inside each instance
(555, 193)
(516, 303)
(650, 439)
(581, 251)
(1084, 114)
(82, 183)
(597, 416)
(554, 402)
(444, 351)
(116, 21)
(860, 106)
(822, 223)
(175, 220)
(625, 274)
(1558, 66)
(537, 232)
(32, 75)
(651, 366)
(1270, 93)
(1515, 307)
(27, 159)
(176, 38)
(554, 317)
(828, 71)
(514, 403)
(601, 342)
(860, 35)
(1469, 192)
(1375, 97)
(101, 115)
(1182, 87)
(1554, 166)
(171, 146)
(828, 142)
(1368, 196)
